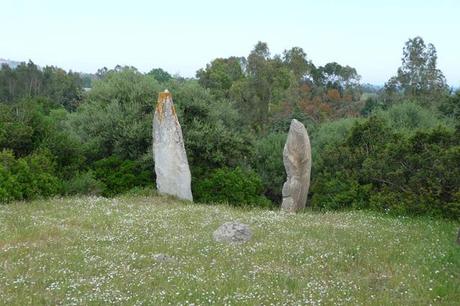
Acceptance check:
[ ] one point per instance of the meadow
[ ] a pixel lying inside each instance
(90, 250)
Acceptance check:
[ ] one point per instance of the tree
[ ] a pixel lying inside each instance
(296, 60)
(160, 75)
(334, 75)
(254, 94)
(220, 75)
(62, 87)
(116, 116)
(29, 81)
(418, 77)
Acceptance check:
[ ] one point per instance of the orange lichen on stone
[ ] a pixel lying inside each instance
(162, 97)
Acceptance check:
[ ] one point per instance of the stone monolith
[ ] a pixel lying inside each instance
(171, 165)
(297, 161)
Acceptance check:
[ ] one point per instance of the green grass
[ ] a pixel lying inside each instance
(89, 250)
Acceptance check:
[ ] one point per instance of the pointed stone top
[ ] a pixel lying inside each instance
(297, 126)
(164, 95)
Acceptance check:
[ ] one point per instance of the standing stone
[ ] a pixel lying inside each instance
(297, 161)
(171, 165)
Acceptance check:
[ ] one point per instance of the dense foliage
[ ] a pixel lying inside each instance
(233, 186)
(28, 80)
(380, 168)
(28, 177)
(394, 150)
(119, 175)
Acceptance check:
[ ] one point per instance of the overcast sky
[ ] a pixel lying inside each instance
(182, 36)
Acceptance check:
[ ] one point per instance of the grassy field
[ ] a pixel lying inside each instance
(91, 250)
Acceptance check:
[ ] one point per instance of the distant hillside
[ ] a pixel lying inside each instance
(12, 64)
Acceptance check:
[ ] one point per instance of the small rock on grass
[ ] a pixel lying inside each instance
(163, 258)
(233, 232)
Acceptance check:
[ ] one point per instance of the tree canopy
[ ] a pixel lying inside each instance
(418, 77)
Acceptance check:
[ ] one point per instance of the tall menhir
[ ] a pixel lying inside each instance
(297, 161)
(171, 165)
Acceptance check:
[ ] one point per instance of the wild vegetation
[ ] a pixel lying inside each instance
(96, 250)
(396, 150)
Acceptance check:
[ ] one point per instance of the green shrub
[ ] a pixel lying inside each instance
(37, 125)
(212, 133)
(64, 145)
(9, 187)
(24, 126)
(371, 105)
(409, 117)
(36, 176)
(330, 134)
(400, 173)
(450, 108)
(338, 192)
(84, 183)
(28, 177)
(116, 118)
(234, 186)
(119, 175)
(211, 146)
(268, 163)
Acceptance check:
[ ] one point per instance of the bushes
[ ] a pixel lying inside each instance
(24, 125)
(338, 192)
(409, 117)
(330, 134)
(27, 178)
(105, 145)
(233, 186)
(84, 183)
(212, 134)
(116, 118)
(119, 175)
(375, 167)
(268, 163)
(451, 107)
(210, 146)
(398, 160)
(9, 187)
(36, 176)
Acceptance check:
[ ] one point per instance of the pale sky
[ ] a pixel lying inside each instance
(182, 36)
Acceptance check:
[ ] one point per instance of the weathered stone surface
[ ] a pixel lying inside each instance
(233, 232)
(297, 161)
(171, 165)
(163, 258)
